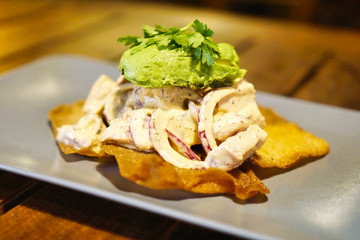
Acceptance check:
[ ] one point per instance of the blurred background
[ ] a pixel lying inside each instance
(343, 13)
(284, 44)
(304, 49)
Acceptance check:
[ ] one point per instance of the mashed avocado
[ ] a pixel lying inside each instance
(155, 67)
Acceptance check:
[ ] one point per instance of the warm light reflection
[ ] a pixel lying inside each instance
(25, 162)
(334, 211)
(40, 90)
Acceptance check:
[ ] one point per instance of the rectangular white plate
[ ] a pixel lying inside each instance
(317, 200)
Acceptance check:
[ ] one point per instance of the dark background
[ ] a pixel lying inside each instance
(342, 13)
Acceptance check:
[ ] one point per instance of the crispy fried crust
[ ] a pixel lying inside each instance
(66, 114)
(150, 170)
(287, 143)
(70, 114)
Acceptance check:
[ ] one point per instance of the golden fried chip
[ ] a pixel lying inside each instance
(287, 143)
(70, 114)
(150, 170)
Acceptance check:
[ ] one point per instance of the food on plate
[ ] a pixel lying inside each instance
(65, 121)
(287, 143)
(181, 115)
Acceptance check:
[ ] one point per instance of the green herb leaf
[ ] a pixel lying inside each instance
(196, 39)
(128, 40)
(198, 42)
(202, 28)
(149, 31)
(196, 52)
(207, 55)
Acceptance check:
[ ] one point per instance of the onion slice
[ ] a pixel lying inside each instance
(183, 147)
(139, 128)
(160, 141)
(205, 119)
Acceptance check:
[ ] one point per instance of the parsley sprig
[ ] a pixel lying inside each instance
(198, 42)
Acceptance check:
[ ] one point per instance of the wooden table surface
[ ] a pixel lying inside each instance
(297, 60)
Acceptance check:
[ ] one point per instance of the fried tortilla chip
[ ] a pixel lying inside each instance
(150, 170)
(287, 143)
(70, 114)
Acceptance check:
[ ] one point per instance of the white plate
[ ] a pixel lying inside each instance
(318, 200)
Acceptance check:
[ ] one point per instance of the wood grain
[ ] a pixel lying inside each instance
(13, 10)
(297, 60)
(14, 189)
(279, 56)
(28, 38)
(59, 213)
(336, 83)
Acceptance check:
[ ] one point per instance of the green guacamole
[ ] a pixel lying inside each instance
(152, 67)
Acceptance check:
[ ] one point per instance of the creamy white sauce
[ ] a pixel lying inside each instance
(167, 98)
(95, 101)
(237, 112)
(183, 126)
(236, 149)
(226, 121)
(118, 132)
(115, 101)
(139, 128)
(229, 124)
(159, 138)
(82, 134)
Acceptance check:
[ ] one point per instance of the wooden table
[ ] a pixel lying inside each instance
(301, 61)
